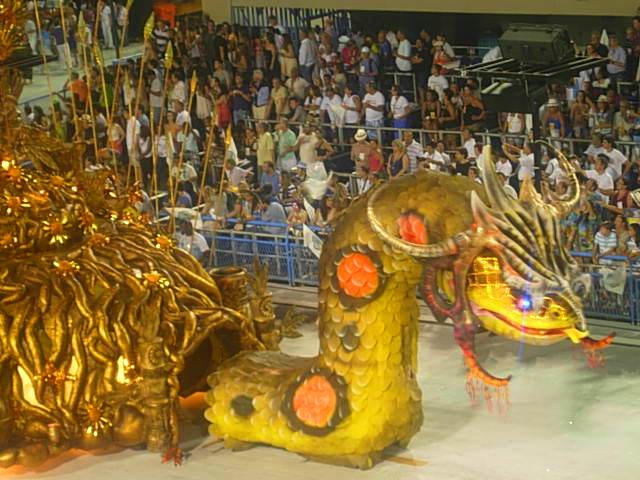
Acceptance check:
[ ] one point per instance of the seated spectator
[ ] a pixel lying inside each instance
(270, 177)
(184, 200)
(437, 82)
(474, 174)
(605, 243)
(508, 189)
(362, 182)
(298, 215)
(600, 176)
(353, 109)
(190, 241)
(462, 162)
(273, 212)
(398, 163)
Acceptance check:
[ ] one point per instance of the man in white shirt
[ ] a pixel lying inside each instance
(306, 56)
(469, 143)
(297, 85)
(132, 134)
(373, 105)
(437, 81)
(595, 148)
(617, 60)
(155, 96)
(617, 160)
(330, 103)
(524, 158)
(446, 158)
(503, 166)
(182, 116)
(431, 159)
(600, 176)
(403, 54)
(414, 150)
(106, 22)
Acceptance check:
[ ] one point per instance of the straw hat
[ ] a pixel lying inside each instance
(603, 98)
(553, 102)
(360, 135)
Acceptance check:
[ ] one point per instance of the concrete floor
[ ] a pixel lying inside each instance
(566, 422)
(37, 93)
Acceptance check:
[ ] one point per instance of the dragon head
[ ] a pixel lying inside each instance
(507, 269)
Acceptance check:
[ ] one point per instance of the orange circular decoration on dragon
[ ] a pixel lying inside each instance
(411, 228)
(358, 275)
(314, 402)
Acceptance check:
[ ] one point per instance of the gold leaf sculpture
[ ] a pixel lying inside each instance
(103, 322)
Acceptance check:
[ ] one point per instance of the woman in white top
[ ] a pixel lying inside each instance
(352, 106)
(399, 110)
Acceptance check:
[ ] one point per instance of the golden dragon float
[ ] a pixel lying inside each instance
(482, 258)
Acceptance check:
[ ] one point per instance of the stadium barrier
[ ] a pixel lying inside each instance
(291, 262)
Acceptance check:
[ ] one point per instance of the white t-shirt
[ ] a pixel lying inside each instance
(527, 163)
(592, 151)
(398, 106)
(554, 171)
(308, 145)
(155, 101)
(515, 123)
(182, 118)
(470, 146)
(196, 244)
(603, 180)
(504, 167)
(179, 92)
(133, 131)
(404, 49)
(351, 117)
(616, 160)
(438, 83)
(377, 100)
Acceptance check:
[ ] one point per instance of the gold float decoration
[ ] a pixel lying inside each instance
(102, 320)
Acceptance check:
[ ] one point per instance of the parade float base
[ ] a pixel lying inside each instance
(566, 422)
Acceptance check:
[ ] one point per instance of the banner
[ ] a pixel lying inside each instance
(312, 241)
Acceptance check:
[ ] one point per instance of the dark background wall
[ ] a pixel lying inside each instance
(479, 29)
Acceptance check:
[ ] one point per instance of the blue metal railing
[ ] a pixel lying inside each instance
(291, 262)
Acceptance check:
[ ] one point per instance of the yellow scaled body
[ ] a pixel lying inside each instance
(368, 343)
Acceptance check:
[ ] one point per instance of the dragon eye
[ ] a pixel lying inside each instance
(523, 302)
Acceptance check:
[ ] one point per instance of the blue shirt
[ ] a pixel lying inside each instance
(273, 180)
(261, 97)
(238, 102)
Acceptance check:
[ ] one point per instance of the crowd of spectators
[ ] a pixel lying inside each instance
(299, 104)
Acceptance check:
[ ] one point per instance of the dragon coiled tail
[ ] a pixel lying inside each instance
(593, 349)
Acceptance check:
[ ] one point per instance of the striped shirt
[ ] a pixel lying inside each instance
(605, 243)
(414, 150)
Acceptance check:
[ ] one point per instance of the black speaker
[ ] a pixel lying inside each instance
(536, 45)
(505, 96)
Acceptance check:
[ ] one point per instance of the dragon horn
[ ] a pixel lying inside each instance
(563, 207)
(443, 248)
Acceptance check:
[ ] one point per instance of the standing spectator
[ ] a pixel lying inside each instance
(617, 160)
(553, 119)
(155, 95)
(403, 54)
(421, 62)
(413, 149)
(473, 113)
(367, 69)
(279, 98)
(106, 21)
(240, 100)
(286, 148)
(398, 164)
(604, 182)
(297, 85)
(306, 56)
(399, 110)
(360, 149)
(270, 179)
(122, 22)
(261, 96)
(617, 65)
(602, 117)
(384, 51)
(373, 110)
(579, 115)
(437, 81)
(288, 61)
(601, 50)
(145, 157)
(523, 157)
(57, 35)
(353, 108)
(266, 148)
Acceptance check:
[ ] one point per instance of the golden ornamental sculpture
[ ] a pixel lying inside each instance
(103, 323)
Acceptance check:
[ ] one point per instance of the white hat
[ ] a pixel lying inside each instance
(553, 102)
(365, 50)
(361, 134)
(343, 39)
(603, 98)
